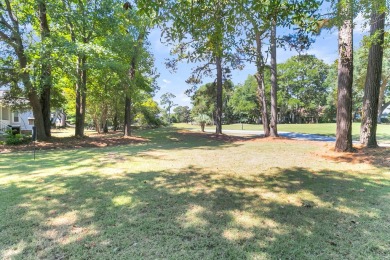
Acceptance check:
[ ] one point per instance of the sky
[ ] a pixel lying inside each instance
(325, 48)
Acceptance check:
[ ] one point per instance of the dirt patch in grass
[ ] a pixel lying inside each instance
(233, 138)
(222, 137)
(379, 156)
(71, 142)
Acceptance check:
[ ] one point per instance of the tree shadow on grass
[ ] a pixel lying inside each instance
(197, 214)
(163, 139)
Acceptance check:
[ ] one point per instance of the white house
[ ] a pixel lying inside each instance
(12, 118)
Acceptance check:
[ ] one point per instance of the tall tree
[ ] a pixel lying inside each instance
(304, 88)
(207, 43)
(345, 78)
(244, 101)
(274, 82)
(14, 35)
(167, 101)
(46, 78)
(259, 18)
(83, 23)
(373, 78)
(182, 114)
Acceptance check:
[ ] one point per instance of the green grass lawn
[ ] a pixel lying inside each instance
(189, 196)
(329, 129)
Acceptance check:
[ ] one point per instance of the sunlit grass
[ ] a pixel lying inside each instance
(185, 196)
(328, 129)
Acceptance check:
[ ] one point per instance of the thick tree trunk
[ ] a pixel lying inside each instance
(274, 82)
(45, 105)
(46, 82)
(81, 96)
(218, 121)
(382, 98)
(373, 81)
(115, 122)
(261, 86)
(345, 80)
(127, 126)
(63, 119)
(103, 119)
(32, 95)
(38, 117)
(132, 71)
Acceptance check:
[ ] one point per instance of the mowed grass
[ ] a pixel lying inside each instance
(191, 196)
(328, 129)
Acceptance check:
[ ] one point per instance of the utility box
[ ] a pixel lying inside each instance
(15, 130)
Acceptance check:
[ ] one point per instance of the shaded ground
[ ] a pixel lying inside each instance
(61, 140)
(70, 142)
(182, 195)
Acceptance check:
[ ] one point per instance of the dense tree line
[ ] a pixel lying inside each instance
(82, 57)
(91, 59)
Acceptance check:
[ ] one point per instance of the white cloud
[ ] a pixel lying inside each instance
(166, 81)
(183, 100)
(361, 24)
(328, 55)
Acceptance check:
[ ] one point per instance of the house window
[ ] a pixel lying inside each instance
(31, 121)
(16, 117)
(5, 113)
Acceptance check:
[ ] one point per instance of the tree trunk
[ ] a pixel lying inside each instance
(218, 129)
(97, 125)
(274, 82)
(260, 85)
(46, 82)
(104, 119)
(105, 127)
(345, 80)
(382, 98)
(132, 70)
(127, 127)
(32, 95)
(373, 81)
(81, 96)
(63, 119)
(115, 122)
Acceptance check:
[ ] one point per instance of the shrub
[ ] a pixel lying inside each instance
(202, 120)
(16, 139)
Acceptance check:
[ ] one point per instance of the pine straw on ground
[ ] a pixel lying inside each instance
(378, 156)
(96, 140)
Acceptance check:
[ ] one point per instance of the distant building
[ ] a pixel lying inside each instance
(11, 118)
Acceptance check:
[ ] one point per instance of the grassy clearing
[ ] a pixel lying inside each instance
(328, 129)
(189, 196)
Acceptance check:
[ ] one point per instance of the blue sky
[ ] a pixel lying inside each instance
(325, 48)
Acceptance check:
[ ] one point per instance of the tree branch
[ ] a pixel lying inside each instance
(7, 39)
(4, 22)
(11, 15)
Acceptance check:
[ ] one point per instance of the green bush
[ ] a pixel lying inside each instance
(16, 139)
(202, 120)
